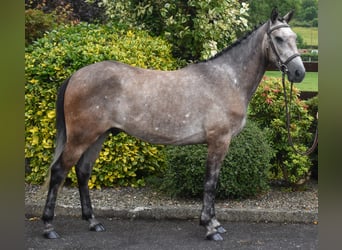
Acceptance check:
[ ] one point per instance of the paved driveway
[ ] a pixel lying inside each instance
(169, 234)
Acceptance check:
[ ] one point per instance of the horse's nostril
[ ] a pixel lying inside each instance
(298, 75)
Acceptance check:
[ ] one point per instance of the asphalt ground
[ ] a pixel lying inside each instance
(168, 234)
(170, 226)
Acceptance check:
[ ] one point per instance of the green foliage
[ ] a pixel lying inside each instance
(244, 172)
(260, 11)
(313, 110)
(197, 29)
(267, 107)
(38, 20)
(305, 11)
(312, 105)
(309, 57)
(125, 161)
(36, 24)
(308, 15)
(52, 59)
(79, 10)
(300, 41)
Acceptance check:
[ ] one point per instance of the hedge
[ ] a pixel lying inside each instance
(313, 110)
(267, 107)
(36, 24)
(124, 160)
(244, 172)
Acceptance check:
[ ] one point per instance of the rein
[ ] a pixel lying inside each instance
(283, 67)
(288, 119)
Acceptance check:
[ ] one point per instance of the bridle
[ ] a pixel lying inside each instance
(284, 69)
(282, 64)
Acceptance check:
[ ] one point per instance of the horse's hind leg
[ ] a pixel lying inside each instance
(72, 152)
(57, 175)
(83, 172)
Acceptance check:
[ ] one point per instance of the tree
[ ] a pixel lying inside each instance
(196, 28)
(81, 10)
(305, 10)
(309, 13)
(259, 11)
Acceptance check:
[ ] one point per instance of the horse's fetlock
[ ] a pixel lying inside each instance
(204, 220)
(47, 217)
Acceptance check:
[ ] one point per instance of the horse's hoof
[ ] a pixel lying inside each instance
(52, 234)
(221, 230)
(98, 228)
(215, 237)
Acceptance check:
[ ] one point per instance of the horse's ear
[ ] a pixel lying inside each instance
(289, 16)
(274, 14)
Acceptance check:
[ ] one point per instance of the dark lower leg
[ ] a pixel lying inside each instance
(83, 172)
(208, 209)
(56, 178)
(216, 154)
(87, 210)
(208, 219)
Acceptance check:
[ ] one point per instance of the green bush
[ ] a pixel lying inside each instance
(300, 42)
(313, 110)
(80, 10)
(244, 172)
(53, 58)
(309, 57)
(41, 18)
(267, 107)
(36, 24)
(196, 29)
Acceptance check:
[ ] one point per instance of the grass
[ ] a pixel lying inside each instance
(310, 35)
(310, 82)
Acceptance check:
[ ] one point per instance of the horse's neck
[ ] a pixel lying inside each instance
(245, 63)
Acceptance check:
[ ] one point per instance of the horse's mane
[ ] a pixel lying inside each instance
(238, 41)
(234, 44)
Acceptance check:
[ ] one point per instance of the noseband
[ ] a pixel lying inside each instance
(282, 64)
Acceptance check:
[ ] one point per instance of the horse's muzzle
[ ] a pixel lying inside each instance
(296, 70)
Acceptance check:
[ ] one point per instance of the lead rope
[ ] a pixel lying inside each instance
(288, 118)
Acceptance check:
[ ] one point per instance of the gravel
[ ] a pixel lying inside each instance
(135, 200)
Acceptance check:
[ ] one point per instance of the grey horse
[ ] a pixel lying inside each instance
(202, 103)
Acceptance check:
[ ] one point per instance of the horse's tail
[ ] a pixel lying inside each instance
(60, 127)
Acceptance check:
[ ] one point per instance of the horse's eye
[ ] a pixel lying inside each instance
(279, 39)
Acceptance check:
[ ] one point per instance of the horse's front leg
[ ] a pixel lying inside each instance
(216, 153)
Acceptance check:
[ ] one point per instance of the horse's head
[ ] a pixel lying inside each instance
(282, 47)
